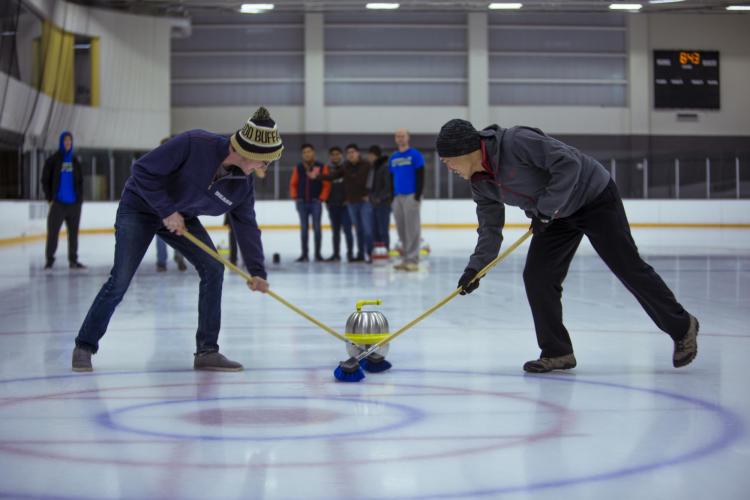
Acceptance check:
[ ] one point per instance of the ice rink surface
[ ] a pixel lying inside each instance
(456, 417)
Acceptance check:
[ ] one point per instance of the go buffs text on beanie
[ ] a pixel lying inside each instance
(259, 138)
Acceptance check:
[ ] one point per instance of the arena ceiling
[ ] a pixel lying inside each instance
(186, 8)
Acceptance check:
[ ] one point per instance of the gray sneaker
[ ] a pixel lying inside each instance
(82, 360)
(215, 362)
(686, 349)
(544, 365)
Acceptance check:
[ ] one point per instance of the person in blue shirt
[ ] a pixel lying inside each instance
(62, 183)
(194, 173)
(407, 168)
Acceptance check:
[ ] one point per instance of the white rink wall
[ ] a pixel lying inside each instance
(25, 218)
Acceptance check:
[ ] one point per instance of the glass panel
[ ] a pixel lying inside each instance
(28, 29)
(744, 177)
(723, 178)
(9, 14)
(661, 178)
(264, 188)
(629, 178)
(82, 70)
(693, 178)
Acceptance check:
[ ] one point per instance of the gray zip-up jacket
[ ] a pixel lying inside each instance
(526, 168)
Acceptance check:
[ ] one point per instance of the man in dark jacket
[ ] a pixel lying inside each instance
(62, 183)
(567, 195)
(381, 195)
(355, 172)
(337, 211)
(309, 192)
(194, 173)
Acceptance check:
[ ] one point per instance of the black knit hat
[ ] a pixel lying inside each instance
(457, 138)
(259, 139)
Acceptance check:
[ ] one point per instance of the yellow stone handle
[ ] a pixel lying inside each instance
(361, 303)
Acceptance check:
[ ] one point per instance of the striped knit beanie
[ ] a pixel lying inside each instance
(457, 138)
(259, 139)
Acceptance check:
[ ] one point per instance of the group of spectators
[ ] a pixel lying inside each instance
(360, 194)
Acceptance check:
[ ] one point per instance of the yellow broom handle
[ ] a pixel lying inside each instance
(447, 299)
(210, 251)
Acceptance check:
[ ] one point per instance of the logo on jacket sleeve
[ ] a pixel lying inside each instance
(223, 198)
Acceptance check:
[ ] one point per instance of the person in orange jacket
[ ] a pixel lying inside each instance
(309, 192)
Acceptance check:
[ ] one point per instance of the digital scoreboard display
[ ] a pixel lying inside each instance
(686, 79)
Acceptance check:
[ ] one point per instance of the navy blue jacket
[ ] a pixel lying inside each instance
(178, 177)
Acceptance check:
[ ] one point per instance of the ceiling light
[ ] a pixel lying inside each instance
(505, 6)
(625, 6)
(665, 1)
(255, 8)
(382, 6)
(738, 7)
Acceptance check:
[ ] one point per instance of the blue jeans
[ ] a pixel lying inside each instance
(361, 215)
(161, 252)
(339, 216)
(134, 230)
(307, 209)
(382, 221)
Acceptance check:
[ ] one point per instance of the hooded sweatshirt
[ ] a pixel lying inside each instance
(62, 180)
(524, 167)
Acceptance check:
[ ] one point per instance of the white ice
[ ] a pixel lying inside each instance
(455, 417)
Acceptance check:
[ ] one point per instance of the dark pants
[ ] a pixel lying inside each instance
(232, 246)
(381, 225)
(340, 219)
(71, 214)
(134, 231)
(161, 253)
(605, 224)
(307, 210)
(361, 215)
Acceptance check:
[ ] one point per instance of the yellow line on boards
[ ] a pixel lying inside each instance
(19, 240)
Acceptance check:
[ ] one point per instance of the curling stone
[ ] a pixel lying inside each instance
(365, 328)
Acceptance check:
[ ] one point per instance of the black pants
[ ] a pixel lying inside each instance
(340, 221)
(605, 224)
(232, 246)
(71, 214)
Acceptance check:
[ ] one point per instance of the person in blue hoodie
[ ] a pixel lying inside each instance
(194, 173)
(62, 183)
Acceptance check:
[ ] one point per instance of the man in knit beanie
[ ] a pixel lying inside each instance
(194, 173)
(567, 195)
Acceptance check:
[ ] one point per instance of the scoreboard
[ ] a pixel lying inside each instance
(686, 79)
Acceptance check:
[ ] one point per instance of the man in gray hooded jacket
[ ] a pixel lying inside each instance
(567, 195)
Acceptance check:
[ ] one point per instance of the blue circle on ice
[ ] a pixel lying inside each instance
(408, 416)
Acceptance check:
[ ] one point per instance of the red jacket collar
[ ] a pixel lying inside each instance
(488, 173)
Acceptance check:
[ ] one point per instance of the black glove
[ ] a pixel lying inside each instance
(466, 287)
(539, 223)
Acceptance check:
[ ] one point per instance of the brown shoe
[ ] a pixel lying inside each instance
(544, 365)
(82, 360)
(686, 349)
(215, 362)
